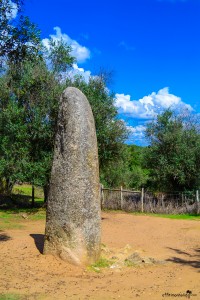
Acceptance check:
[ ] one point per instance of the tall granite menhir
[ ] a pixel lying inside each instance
(73, 230)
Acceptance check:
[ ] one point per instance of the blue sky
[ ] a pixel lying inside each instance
(153, 47)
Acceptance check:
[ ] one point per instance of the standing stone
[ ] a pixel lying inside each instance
(73, 230)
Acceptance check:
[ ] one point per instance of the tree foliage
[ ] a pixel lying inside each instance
(30, 87)
(174, 152)
(59, 56)
(14, 144)
(29, 93)
(19, 39)
(139, 175)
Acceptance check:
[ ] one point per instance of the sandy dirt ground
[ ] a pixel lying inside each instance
(175, 243)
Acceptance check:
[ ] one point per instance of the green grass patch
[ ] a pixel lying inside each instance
(16, 208)
(10, 221)
(100, 264)
(26, 189)
(168, 216)
(39, 215)
(21, 198)
(17, 219)
(20, 214)
(178, 217)
(10, 297)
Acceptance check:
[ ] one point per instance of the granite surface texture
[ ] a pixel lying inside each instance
(73, 230)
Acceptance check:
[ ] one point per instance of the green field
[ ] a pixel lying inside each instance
(26, 189)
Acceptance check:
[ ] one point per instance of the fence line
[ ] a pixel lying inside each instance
(118, 190)
(145, 201)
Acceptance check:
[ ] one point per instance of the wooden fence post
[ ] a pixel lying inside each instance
(121, 197)
(182, 198)
(142, 200)
(162, 200)
(33, 196)
(197, 201)
(102, 196)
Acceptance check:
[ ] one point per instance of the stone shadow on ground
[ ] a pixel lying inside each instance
(39, 241)
(4, 237)
(190, 260)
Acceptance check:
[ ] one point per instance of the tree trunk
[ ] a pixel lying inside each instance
(9, 186)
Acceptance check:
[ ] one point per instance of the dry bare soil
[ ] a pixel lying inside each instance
(175, 244)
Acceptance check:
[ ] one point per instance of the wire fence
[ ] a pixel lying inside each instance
(149, 202)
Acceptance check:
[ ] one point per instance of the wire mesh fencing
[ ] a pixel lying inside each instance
(120, 199)
(171, 203)
(149, 202)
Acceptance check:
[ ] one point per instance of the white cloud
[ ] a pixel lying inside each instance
(79, 71)
(13, 11)
(146, 109)
(149, 106)
(137, 134)
(81, 53)
(138, 130)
